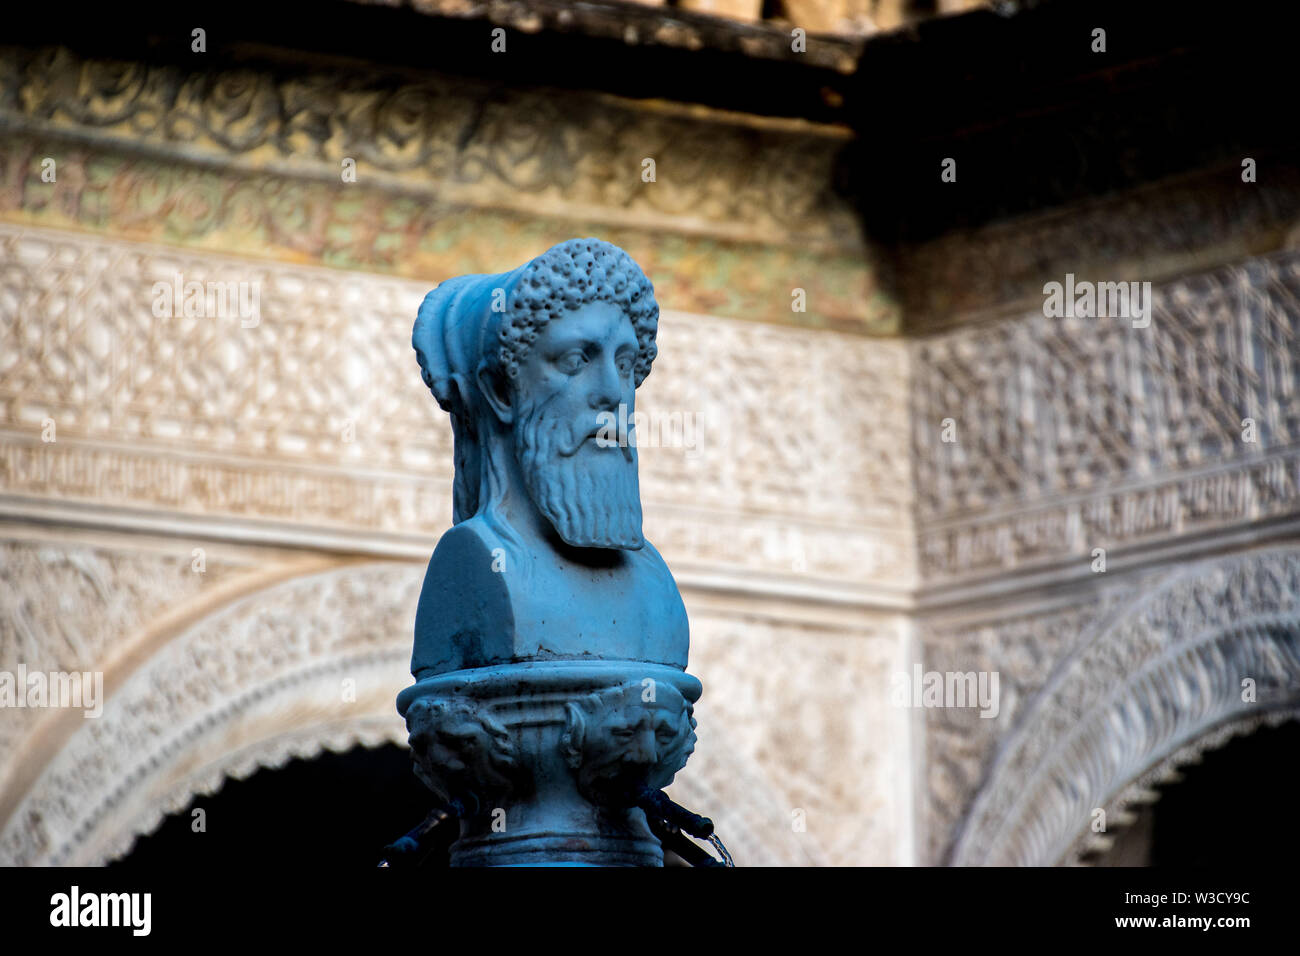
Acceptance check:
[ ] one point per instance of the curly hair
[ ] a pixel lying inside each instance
(567, 277)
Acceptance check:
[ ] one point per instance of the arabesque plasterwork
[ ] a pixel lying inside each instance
(818, 522)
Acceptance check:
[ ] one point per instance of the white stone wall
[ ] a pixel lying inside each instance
(824, 536)
(287, 448)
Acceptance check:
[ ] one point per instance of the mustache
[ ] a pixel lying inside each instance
(576, 438)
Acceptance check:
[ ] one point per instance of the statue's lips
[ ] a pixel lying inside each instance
(593, 436)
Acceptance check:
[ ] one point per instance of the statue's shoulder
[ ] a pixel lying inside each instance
(464, 557)
(667, 598)
(653, 561)
(473, 537)
(464, 605)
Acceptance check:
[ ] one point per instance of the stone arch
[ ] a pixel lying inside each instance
(252, 683)
(1153, 686)
(257, 681)
(1122, 810)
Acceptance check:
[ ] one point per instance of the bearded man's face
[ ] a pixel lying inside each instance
(567, 393)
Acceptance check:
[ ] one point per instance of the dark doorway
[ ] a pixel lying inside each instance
(1235, 808)
(333, 811)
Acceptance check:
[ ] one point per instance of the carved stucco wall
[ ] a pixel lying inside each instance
(1108, 435)
(79, 790)
(1103, 694)
(135, 446)
(1129, 440)
(284, 422)
(229, 437)
(824, 536)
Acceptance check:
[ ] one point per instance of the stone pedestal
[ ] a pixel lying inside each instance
(545, 761)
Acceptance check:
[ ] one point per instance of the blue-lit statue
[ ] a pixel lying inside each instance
(551, 701)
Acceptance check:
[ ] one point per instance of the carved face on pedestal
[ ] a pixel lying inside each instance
(568, 394)
(461, 752)
(624, 746)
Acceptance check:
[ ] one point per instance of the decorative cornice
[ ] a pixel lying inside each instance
(650, 23)
(460, 141)
(449, 174)
(1157, 233)
(108, 190)
(1141, 516)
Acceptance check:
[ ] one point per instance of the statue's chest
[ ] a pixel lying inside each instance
(623, 612)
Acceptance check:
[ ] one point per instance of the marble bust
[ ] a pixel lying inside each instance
(551, 703)
(547, 558)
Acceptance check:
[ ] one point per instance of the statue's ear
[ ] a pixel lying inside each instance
(571, 738)
(495, 392)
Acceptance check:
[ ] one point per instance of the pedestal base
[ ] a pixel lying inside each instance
(545, 761)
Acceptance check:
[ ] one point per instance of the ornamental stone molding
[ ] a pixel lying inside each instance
(50, 592)
(277, 428)
(449, 174)
(536, 151)
(268, 666)
(1121, 811)
(1159, 233)
(1110, 436)
(1022, 640)
(1214, 644)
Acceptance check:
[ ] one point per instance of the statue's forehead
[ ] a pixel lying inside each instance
(630, 705)
(645, 716)
(598, 320)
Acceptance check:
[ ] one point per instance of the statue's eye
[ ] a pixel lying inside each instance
(571, 361)
(625, 365)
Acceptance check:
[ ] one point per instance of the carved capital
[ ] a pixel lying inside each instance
(548, 759)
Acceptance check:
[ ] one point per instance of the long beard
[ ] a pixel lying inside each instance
(589, 494)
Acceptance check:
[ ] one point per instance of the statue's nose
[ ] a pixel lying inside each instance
(642, 748)
(605, 392)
